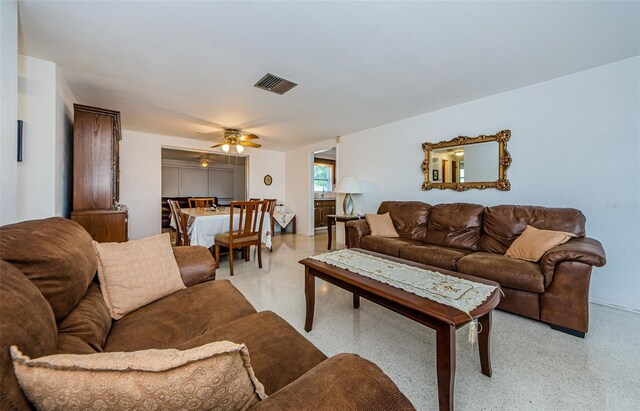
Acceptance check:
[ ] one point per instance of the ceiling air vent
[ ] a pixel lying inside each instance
(275, 84)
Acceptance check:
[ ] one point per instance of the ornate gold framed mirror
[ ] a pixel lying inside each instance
(463, 163)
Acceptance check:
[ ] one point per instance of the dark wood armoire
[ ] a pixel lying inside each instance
(96, 174)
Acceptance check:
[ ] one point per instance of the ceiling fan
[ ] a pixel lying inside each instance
(233, 137)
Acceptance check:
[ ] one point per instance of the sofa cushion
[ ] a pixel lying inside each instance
(342, 382)
(386, 245)
(56, 255)
(179, 317)
(213, 376)
(381, 225)
(136, 273)
(502, 224)
(279, 354)
(27, 321)
(71, 344)
(510, 272)
(442, 257)
(455, 225)
(409, 217)
(89, 321)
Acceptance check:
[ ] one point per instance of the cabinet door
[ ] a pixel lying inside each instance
(316, 216)
(93, 163)
(107, 227)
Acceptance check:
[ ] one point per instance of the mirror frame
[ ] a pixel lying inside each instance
(504, 161)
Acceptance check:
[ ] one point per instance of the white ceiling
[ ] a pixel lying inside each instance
(178, 68)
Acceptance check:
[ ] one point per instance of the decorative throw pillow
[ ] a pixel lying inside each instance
(213, 376)
(136, 273)
(381, 225)
(533, 243)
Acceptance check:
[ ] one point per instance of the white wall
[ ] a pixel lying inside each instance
(8, 110)
(64, 146)
(273, 164)
(37, 108)
(299, 193)
(141, 176)
(45, 176)
(575, 143)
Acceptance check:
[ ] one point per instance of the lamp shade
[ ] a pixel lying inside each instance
(348, 184)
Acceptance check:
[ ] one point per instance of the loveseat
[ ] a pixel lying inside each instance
(472, 239)
(50, 302)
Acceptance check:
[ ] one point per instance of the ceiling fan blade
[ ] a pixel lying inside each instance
(218, 145)
(249, 137)
(249, 144)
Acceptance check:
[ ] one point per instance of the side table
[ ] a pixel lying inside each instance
(340, 218)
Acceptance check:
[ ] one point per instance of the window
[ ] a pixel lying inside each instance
(322, 177)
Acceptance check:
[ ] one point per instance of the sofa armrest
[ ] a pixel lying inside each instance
(342, 382)
(196, 264)
(584, 250)
(355, 231)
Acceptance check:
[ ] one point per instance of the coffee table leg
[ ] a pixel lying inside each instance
(329, 232)
(356, 301)
(310, 296)
(446, 361)
(484, 343)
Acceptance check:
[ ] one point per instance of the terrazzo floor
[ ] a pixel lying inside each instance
(534, 367)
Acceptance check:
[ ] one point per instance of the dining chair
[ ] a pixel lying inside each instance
(254, 199)
(202, 202)
(249, 232)
(182, 235)
(271, 206)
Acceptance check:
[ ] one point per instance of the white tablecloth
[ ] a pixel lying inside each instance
(283, 219)
(203, 225)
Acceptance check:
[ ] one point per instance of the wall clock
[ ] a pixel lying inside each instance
(268, 180)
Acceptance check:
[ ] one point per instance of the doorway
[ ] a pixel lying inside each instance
(194, 173)
(323, 183)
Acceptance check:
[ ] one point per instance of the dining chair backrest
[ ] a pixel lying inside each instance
(271, 205)
(250, 219)
(254, 199)
(182, 235)
(202, 202)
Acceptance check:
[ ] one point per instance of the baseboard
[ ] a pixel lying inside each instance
(612, 305)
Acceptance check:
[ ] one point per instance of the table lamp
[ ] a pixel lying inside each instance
(348, 185)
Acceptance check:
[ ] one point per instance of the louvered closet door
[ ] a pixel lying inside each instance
(193, 182)
(221, 185)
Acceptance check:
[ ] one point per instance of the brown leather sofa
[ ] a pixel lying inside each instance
(472, 239)
(50, 303)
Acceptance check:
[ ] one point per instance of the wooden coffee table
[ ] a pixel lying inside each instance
(442, 318)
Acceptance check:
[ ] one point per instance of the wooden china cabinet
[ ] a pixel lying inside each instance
(96, 174)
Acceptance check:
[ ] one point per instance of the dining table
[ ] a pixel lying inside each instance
(203, 224)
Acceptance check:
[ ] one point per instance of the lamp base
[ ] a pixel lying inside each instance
(347, 204)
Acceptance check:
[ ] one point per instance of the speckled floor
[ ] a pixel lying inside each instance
(534, 367)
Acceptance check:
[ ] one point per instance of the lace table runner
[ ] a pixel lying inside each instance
(455, 292)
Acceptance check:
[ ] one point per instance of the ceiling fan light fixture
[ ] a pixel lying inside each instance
(225, 148)
(204, 163)
(239, 149)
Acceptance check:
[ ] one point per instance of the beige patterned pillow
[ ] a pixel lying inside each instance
(381, 225)
(214, 376)
(136, 273)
